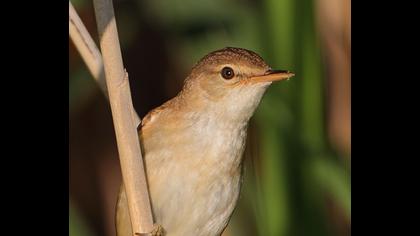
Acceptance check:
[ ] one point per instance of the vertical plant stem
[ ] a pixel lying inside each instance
(89, 52)
(87, 48)
(125, 128)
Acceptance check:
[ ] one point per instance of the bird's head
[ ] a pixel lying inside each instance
(231, 81)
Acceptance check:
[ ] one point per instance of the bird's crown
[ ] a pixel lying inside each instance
(231, 54)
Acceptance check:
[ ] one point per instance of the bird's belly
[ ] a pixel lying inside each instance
(193, 200)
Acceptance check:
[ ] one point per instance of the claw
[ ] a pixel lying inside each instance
(157, 231)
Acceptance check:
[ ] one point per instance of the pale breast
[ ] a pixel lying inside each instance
(194, 192)
(194, 175)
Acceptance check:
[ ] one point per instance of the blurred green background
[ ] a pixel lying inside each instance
(297, 160)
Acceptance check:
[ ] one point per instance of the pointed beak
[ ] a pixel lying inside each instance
(271, 76)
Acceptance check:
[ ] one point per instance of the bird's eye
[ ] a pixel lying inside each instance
(227, 73)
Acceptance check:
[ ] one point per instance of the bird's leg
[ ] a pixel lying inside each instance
(157, 231)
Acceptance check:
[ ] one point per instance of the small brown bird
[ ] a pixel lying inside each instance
(193, 144)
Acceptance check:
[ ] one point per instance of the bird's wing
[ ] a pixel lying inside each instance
(150, 116)
(153, 114)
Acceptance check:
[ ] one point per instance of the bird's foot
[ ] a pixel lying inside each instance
(157, 231)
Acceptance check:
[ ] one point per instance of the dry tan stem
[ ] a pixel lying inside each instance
(86, 47)
(89, 51)
(124, 124)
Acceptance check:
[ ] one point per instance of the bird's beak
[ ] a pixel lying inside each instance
(268, 76)
(271, 76)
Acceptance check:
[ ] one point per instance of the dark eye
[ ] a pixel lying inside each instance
(227, 73)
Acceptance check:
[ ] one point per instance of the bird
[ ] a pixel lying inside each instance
(193, 144)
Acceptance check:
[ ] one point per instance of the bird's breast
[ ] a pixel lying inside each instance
(195, 173)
